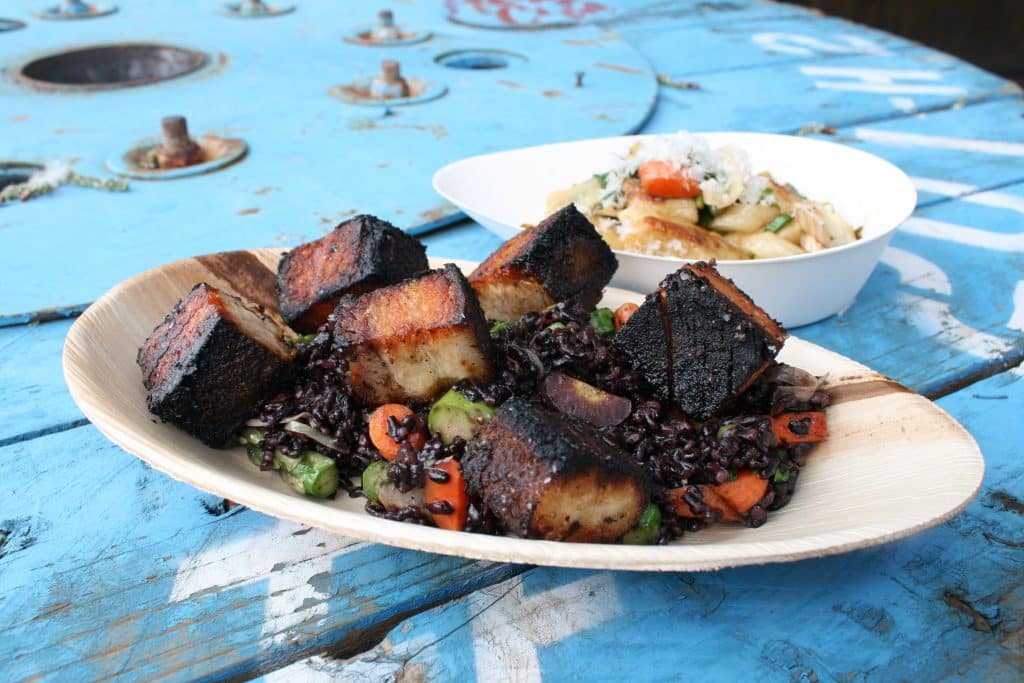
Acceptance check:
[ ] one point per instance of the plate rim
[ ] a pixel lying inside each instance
(359, 525)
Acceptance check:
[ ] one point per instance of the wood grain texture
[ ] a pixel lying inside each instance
(867, 429)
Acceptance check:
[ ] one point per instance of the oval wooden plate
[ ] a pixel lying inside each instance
(895, 463)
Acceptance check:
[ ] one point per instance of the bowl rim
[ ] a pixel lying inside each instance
(905, 210)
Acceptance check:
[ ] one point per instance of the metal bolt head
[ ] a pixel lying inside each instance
(175, 131)
(389, 83)
(74, 7)
(177, 149)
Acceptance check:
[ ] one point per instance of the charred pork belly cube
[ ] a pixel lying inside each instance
(545, 476)
(699, 340)
(211, 363)
(562, 258)
(359, 255)
(414, 339)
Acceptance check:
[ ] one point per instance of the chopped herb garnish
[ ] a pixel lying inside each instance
(778, 223)
(602, 179)
(732, 476)
(498, 326)
(794, 191)
(780, 476)
(709, 176)
(764, 193)
(705, 215)
(556, 326)
(782, 454)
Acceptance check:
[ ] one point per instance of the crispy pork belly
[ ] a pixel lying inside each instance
(211, 363)
(359, 255)
(562, 258)
(699, 340)
(545, 476)
(414, 339)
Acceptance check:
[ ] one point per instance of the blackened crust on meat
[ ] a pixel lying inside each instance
(358, 255)
(211, 363)
(413, 339)
(562, 258)
(544, 476)
(717, 342)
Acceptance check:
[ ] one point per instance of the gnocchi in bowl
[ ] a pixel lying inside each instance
(846, 206)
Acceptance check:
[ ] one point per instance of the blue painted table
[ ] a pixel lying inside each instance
(109, 570)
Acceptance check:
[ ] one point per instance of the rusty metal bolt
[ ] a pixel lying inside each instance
(389, 84)
(176, 149)
(386, 31)
(75, 7)
(252, 7)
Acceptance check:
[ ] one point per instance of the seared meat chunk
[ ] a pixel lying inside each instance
(562, 258)
(545, 476)
(411, 340)
(211, 363)
(359, 255)
(699, 341)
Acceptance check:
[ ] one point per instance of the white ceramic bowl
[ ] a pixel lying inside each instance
(505, 190)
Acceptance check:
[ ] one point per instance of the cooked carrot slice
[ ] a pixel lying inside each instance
(674, 497)
(743, 492)
(452, 491)
(623, 313)
(809, 427)
(665, 180)
(378, 430)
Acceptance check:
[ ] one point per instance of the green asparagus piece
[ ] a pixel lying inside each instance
(648, 530)
(374, 476)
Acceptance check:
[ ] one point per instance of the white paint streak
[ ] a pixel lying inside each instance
(506, 635)
(997, 200)
(904, 104)
(898, 139)
(804, 45)
(883, 81)
(1016, 321)
(936, 318)
(962, 234)
(917, 272)
(287, 561)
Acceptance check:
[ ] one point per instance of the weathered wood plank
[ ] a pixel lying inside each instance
(109, 570)
(948, 603)
(35, 399)
(947, 300)
(313, 159)
(952, 152)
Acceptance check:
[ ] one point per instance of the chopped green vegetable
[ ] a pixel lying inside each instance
(778, 223)
(603, 320)
(724, 427)
(374, 476)
(314, 474)
(255, 454)
(647, 530)
(764, 193)
(706, 214)
(252, 436)
(602, 179)
(455, 415)
(301, 339)
(780, 476)
(285, 463)
(556, 326)
(498, 326)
